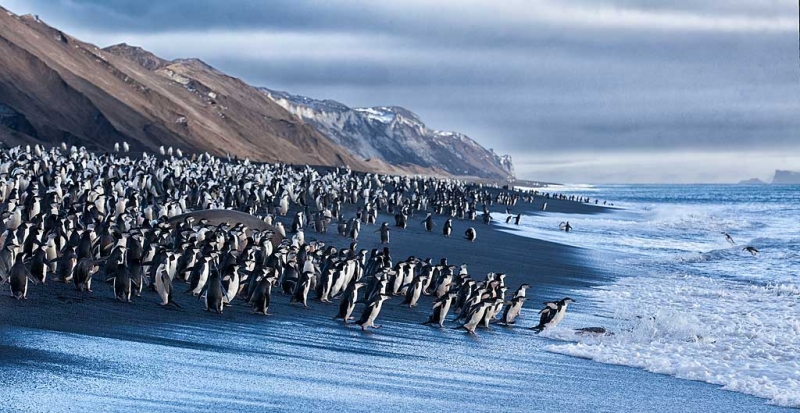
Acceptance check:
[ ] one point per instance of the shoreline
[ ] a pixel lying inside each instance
(139, 351)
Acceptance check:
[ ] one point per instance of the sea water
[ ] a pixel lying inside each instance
(686, 301)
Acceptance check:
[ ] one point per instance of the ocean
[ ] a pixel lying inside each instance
(685, 301)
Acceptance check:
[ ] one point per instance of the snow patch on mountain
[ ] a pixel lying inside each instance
(395, 135)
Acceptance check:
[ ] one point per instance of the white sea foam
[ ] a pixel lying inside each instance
(692, 305)
(745, 338)
(569, 187)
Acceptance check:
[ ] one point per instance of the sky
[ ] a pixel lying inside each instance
(577, 91)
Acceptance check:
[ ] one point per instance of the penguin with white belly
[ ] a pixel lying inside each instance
(552, 314)
(372, 311)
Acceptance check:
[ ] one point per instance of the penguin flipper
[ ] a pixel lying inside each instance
(202, 291)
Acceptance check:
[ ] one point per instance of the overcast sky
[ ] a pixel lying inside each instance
(575, 91)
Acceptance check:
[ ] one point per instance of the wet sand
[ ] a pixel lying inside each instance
(65, 350)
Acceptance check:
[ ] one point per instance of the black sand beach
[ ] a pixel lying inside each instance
(62, 350)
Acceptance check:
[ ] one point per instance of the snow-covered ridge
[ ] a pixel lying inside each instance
(396, 135)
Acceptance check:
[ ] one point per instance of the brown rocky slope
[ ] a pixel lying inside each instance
(55, 88)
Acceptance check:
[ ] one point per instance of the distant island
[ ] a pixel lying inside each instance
(752, 181)
(780, 177)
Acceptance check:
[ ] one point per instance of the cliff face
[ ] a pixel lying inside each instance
(55, 88)
(397, 136)
(786, 177)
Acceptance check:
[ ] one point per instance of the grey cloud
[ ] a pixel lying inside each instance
(536, 90)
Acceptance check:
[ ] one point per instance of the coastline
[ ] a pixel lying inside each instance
(142, 357)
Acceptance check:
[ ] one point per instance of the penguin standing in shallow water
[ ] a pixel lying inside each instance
(553, 313)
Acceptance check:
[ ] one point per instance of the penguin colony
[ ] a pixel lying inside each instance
(71, 215)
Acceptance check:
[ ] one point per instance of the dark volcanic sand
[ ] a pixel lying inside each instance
(64, 350)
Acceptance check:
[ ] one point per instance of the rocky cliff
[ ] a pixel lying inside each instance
(786, 177)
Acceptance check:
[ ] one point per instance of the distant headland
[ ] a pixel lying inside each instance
(780, 177)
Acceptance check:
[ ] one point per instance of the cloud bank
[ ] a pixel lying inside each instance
(575, 91)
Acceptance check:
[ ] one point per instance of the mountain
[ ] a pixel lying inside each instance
(397, 136)
(786, 177)
(55, 88)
